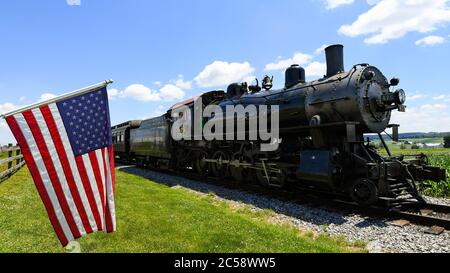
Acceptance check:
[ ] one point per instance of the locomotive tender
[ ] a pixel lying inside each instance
(321, 137)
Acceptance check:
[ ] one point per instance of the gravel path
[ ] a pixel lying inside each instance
(378, 233)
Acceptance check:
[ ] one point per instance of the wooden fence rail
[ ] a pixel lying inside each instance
(14, 160)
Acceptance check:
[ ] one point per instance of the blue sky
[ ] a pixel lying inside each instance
(159, 52)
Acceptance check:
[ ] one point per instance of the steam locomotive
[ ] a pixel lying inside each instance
(321, 137)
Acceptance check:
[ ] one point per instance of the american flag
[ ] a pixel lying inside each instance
(67, 146)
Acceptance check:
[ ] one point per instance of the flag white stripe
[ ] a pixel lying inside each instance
(109, 190)
(26, 131)
(92, 181)
(73, 165)
(98, 154)
(54, 157)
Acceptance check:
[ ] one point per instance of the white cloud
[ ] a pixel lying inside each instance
(430, 41)
(221, 73)
(7, 107)
(321, 49)
(140, 92)
(445, 98)
(113, 93)
(440, 97)
(415, 97)
(5, 134)
(73, 2)
(181, 83)
(312, 68)
(157, 83)
(427, 118)
(393, 19)
(316, 69)
(171, 92)
(332, 4)
(298, 58)
(433, 107)
(250, 79)
(22, 98)
(47, 96)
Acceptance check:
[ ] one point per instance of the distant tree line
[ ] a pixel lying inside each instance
(411, 135)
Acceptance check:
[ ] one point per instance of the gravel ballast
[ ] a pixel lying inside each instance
(379, 234)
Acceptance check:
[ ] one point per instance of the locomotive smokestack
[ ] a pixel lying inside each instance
(335, 59)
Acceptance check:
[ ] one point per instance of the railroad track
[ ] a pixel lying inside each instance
(424, 214)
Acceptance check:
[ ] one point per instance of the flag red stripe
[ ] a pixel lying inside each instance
(46, 113)
(112, 167)
(108, 217)
(37, 178)
(88, 189)
(37, 134)
(98, 177)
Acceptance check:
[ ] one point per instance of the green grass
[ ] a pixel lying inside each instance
(156, 218)
(441, 189)
(426, 140)
(3, 167)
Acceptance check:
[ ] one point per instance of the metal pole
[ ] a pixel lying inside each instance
(385, 145)
(65, 96)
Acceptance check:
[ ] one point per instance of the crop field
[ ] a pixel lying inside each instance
(439, 157)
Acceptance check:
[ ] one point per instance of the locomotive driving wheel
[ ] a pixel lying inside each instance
(219, 168)
(241, 174)
(364, 192)
(200, 166)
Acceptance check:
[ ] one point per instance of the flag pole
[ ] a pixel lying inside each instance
(61, 97)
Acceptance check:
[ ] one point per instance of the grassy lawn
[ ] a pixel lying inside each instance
(425, 140)
(155, 218)
(3, 167)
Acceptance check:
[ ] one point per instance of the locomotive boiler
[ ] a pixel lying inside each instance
(321, 143)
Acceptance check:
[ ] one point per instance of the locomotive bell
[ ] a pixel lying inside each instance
(267, 83)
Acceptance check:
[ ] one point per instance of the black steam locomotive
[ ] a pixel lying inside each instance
(321, 137)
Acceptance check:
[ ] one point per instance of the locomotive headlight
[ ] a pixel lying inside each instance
(392, 100)
(400, 96)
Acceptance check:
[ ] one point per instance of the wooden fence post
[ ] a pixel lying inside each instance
(18, 152)
(10, 153)
(14, 155)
